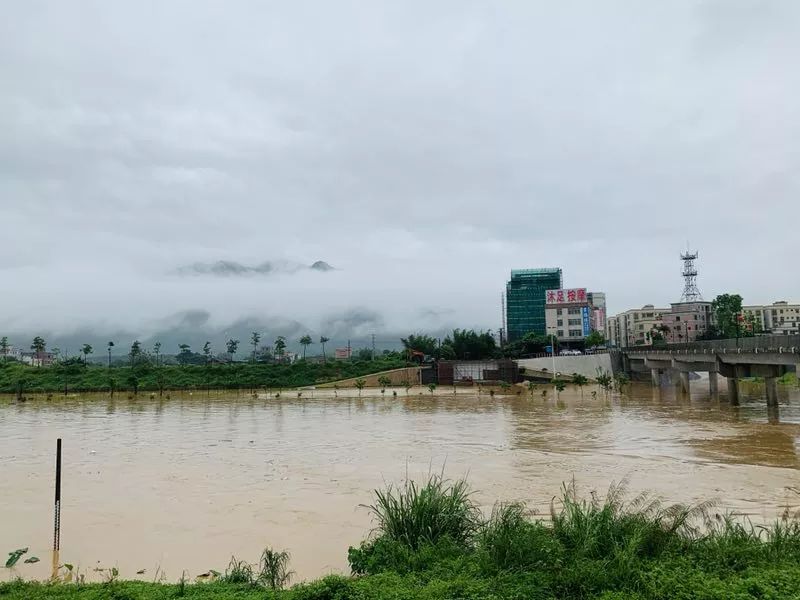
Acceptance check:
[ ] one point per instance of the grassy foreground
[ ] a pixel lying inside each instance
(146, 377)
(431, 542)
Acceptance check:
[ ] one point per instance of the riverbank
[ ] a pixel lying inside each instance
(19, 378)
(432, 542)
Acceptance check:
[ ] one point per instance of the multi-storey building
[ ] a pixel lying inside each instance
(571, 314)
(612, 332)
(686, 321)
(778, 318)
(525, 300)
(634, 327)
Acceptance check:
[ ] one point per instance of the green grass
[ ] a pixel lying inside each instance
(95, 378)
(430, 542)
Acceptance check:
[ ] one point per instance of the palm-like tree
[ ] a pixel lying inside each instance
(207, 352)
(86, 350)
(157, 352)
(136, 351)
(38, 346)
(280, 347)
(110, 345)
(323, 340)
(232, 345)
(305, 341)
(185, 351)
(255, 337)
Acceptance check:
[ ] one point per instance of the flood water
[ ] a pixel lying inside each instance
(184, 483)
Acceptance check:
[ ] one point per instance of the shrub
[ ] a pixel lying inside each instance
(415, 514)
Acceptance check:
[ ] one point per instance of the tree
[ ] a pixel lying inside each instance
(305, 341)
(136, 352)
(207, 352)
(384, 382)
(232, 345)
(467, 344)
(727, 310)
(255, 337)
(421, 343)
(360, 383)
(86, 350)
(185, 353)
(595, 338)
(531, 343)
(431, 388)
(323, 340)
(280, 347)
(580, 381)
(109, 346)
(157, 352)
(4, 347)
(38, 344)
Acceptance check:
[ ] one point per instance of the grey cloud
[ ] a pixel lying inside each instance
(229, 268)
(424, 149)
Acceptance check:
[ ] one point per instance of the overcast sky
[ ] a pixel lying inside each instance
(423, 149)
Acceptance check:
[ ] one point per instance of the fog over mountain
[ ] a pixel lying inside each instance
(174, 169)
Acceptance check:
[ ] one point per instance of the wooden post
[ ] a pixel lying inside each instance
(57, 506)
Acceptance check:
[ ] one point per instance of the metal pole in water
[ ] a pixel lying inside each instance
(57, 506)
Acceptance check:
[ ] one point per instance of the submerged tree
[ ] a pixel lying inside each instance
(580, 381)
(360, 383)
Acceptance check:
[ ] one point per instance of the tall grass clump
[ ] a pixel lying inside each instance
(415, 514)
(643, 527)
(510, 541)
(274, 570)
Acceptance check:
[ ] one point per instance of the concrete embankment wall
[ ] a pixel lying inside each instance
(397, 376)
(585, 365)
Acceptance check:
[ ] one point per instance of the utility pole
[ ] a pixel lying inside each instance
(349, 350)
(373, 346)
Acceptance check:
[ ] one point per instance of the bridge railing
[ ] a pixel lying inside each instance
(763, 343)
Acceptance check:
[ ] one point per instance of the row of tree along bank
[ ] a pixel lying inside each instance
(432, 542)
(77, 376)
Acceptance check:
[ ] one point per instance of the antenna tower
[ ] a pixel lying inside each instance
(690, 291)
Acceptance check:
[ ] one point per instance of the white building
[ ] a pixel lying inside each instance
(571, 314)
(780, 317)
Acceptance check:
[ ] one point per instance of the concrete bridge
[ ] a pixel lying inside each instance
(769, 357)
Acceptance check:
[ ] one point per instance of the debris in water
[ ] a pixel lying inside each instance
(31, 560)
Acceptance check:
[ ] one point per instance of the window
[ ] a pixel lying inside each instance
(560, 333)
(560, 322)
(559, 311)
(695, 317)
(574, 311)
(678, 318)
(574, 321)
(641, 327)
(575, 333)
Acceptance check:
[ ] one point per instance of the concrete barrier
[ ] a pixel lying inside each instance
(586, 364)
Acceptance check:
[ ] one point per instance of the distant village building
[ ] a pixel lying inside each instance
(38, 359)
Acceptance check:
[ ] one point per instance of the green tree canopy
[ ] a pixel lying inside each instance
(727, 309)
(421, 343)
(595, 338)
(305, 341)
(38, 344)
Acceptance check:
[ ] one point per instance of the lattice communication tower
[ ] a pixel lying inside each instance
(690, 291)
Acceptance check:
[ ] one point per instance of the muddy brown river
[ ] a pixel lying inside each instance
(182, 484)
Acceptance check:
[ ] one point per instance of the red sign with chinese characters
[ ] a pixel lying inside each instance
(567, 296)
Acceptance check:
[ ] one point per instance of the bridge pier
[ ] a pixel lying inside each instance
(656, 376)
(684, 381)
(713, 384)
(772, 391)
(733, 391)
